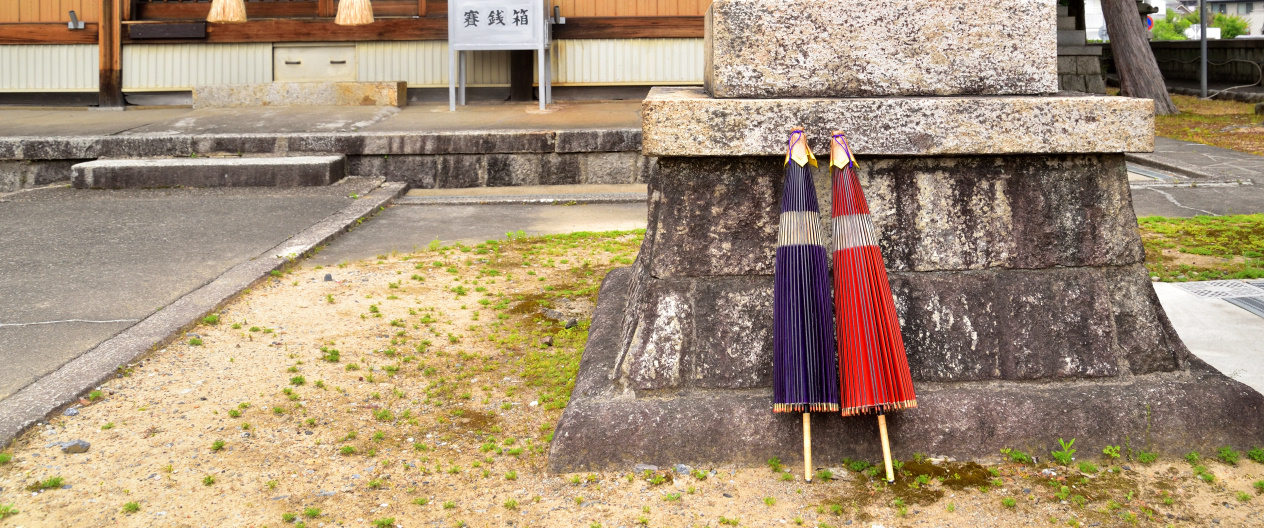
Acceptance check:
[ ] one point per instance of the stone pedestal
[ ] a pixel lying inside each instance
(1014, 258)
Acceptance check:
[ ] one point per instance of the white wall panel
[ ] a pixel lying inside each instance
(425, 63)
(156, 67)
(49, 68)
(628, 61)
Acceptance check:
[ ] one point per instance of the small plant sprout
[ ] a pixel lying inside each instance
(1111, 452)
(212, 319)
(5, 458)
(288, 517)
(347, 450)
(385, 522)
(208, 480)
(1065, 455)
(131, 507)
(197, 341)
(271, 484)
(1146, 457)
(94, 395)
(106, 427)
(511, 505)
(217, 445)
(421, 501)
(824, 475)
(952, 507)
(1009, 502)
(1228, 455)
(1243, 496)
(448, 505)
(1193, 457)
(511, 475)
(7, 510)
(774, 463)
(297, 381)
(729, 522)
(311, 513)
(769, 501)
(1259, 487)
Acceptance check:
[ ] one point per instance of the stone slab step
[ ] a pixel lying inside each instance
(1066, 22)
(1071, 37)
(292, 171)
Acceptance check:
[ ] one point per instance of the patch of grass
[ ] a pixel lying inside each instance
(1204, 247)
(1015, 456)
(824, 475)
(775, 464)
(217, 445)
(1009, 502)
(298, 381)
(384, 522)
(1256, 454)
(1088, 467)
(1146, 457)
(729, 522)
(212, 319)
(288, 517)
(94, 395)
(208, 480)
(131, 507)
(448, 505)
(511, 475)
(1225, 124)
(48, 483)
(5, 458)
(511, 505)
(7, 510)
(1228, 455)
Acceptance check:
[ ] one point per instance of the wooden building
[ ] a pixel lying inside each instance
(138, 46)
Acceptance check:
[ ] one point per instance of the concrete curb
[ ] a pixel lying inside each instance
(611, 198)
(35, 401)
(1146, 160)
(1240, 97)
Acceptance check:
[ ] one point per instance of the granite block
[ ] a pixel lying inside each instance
(685, 122)
(827, 48)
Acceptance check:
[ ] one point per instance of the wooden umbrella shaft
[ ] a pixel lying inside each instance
(886, 446)
(807, 447)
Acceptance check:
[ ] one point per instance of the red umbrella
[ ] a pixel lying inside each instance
(873, 366)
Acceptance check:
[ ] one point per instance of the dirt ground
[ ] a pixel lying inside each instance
(421, 390)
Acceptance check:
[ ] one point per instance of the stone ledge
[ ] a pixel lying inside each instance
(827, 48)
(351, 144)
(301, 94)
(686, 122)
(292, 171)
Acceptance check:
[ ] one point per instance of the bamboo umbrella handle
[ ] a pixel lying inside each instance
(807, 447)
(886, 446)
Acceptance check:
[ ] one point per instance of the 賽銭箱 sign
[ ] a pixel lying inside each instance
(496, 25)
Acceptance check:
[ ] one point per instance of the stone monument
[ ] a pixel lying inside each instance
(1004, 215)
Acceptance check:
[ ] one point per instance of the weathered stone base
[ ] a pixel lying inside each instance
(605, 426)
(452, 171)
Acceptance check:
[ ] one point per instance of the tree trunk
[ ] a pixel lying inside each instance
(1139, 74)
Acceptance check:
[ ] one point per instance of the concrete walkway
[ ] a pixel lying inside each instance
(81, 266)
(1222, 334)
(421, 118)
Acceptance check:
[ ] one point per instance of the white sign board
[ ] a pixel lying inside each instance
(496, 24)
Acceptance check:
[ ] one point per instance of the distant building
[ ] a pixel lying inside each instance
(1253, 12)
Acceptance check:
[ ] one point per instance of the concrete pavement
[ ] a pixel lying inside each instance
(81, 266)
(1225, 336)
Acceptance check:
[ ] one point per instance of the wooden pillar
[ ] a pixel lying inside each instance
(110, 89)
(520, 75)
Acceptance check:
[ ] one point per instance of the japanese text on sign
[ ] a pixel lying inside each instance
(496, 24)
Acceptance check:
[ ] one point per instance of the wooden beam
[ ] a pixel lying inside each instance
(167, 30)
(319, 8)
(630, 27)
(110, 89)
(47, 33)
(322, 30)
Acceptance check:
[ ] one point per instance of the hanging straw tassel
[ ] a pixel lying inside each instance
(804, 367)
(354, 13)
(873, 365)
(227, 12)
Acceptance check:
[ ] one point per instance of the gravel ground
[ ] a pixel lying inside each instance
(421, 390)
